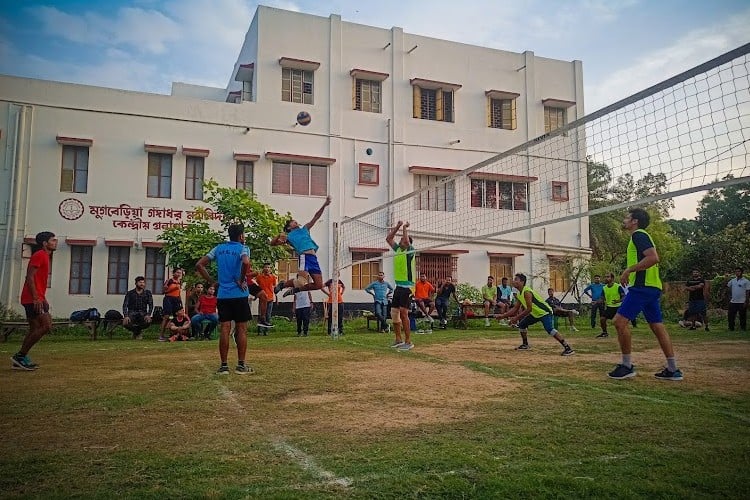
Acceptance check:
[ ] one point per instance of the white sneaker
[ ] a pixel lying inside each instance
(486, 321)
(682, 324)
(575, 313)
(573, 329)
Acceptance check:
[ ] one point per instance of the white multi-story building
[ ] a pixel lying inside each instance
(107, 170)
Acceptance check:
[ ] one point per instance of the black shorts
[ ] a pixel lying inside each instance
(237, 310)
(171, 305)
(254, 290)
(562, 313)
(610, 312)
(31, 311)
(401, 297)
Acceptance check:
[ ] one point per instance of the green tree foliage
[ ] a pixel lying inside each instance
(727, 206)
(184, 246)
(718, 253)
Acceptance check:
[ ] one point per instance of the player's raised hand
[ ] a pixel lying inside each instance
(406, 224)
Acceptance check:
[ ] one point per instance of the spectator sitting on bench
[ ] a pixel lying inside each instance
(489, 297)
(137, 308)
(205, 310)
(423, 291)
(179, 326)
(559, 311)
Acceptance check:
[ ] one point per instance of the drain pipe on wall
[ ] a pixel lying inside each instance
(12, 206)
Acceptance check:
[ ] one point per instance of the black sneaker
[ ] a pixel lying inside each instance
(665, 374)
(523, 347)
(290, 291)
(621, 372)
(567, 351)
(243, 370)
(223, 370)
(264, 324)
(279, 287)
(602, 335)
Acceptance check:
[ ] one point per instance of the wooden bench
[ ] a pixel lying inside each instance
(8, 327)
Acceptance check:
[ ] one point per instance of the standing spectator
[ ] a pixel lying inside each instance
(172, 300)
(423, 291)
(381, 290)
(302, 310)
(595, 291)
(697, 297)
(34, 301)
(559, 311)
(137, 308)
(179, 326)
(330, 290)
(445, 291)
(205, 310)
(404, 273)
(191, 300)
(267, 282)
(642, 275)
(739, 287)
(233, 259)
(613, 295)
(489, 296)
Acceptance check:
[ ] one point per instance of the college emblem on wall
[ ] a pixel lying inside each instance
(70, 209)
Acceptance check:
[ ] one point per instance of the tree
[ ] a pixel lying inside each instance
(185, 245)
(727, 206)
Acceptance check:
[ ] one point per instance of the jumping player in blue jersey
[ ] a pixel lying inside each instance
(298, 237)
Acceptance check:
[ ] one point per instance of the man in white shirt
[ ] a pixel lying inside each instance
(739, 290)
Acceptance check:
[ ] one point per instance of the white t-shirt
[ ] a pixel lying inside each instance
(739, 288)
(302, 299)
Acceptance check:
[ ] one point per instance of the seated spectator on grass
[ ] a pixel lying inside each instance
(423, 292)
(559, 311)
(179, 326)
(205, 310)
(137, 308)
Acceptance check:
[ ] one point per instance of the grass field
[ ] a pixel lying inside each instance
(463, 415)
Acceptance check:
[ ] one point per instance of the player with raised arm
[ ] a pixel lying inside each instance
(405, 274)
(298, 237)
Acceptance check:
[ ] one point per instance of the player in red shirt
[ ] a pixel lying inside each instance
(33, 299)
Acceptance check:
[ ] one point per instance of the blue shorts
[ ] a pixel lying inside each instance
(547, 322)
(697, 307)
(309, 262)
(642, 298)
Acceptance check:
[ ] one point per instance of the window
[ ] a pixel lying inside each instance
(156, 263)
(554, 118)
(247, 90)
(440, 198)
(159, 175)
(118, 270)
(369, 174)
(296, 85)
(503, 113)
(501, 267)
(367, 95)
(74, 174)
(80, 270)
(560, 191)
(366, 272)
(299, 179)
(194, 177)
(433, 104)
(287, 268)
(244, 177)
(558, 277)
(437, 266)
(501, 195)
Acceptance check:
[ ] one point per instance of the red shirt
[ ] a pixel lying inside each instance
(206, 304)
(40, 261)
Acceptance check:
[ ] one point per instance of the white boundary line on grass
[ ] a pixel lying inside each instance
(304, 460)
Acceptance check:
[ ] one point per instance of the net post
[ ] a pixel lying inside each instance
(334, 312)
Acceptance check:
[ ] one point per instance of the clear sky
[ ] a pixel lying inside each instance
(145, 45)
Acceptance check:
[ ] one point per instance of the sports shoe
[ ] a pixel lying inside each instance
(279, 287)
(602, 335)
(163, 339)
(23, 363)
(665, 374)
(523, 347)
(486, 321)
(682, 324)
(290, 291)
(264, 324)
(573, 329)
(621, 371)
(223, 370)
(567, 351)
(406, 347)
(397, 344)
(243, 369)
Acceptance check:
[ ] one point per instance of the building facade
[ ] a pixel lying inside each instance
(107, 170)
